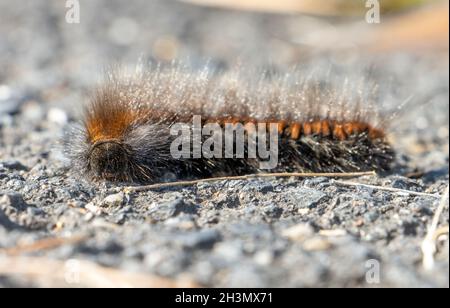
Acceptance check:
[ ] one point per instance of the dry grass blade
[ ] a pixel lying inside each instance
(389, 189)
(247, 177)
(429, 244)
(280, 6)
(319, 7)
(74, 273)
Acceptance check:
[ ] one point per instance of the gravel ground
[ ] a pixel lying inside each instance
(256, 233)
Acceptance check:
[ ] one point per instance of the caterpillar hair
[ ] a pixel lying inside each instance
(323, 125)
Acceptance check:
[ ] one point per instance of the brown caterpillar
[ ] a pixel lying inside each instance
(125, 135)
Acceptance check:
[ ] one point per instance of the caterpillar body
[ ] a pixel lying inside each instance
(126, 134)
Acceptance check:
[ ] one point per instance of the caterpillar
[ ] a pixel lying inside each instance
(125, 133)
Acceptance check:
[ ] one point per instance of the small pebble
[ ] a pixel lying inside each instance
(13, 165)
(316, 244)
(114, 200)
(57, 116)
(298, 233)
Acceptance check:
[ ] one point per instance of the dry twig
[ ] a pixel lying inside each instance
(390, 189)
(429, 248)
(247, 177)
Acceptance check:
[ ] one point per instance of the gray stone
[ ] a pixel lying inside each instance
(12, 202)
(305, 197)
(9, 104)
(246, 276)
(273, 211)
(172, 208)
(203, 239)
(13, 165)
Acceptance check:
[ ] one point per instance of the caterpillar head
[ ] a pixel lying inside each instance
(110, 160)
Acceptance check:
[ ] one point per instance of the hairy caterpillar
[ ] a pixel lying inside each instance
(322, 127)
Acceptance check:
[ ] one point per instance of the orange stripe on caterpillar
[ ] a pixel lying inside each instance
(326, 130)
(340, 130)
(112, 127)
